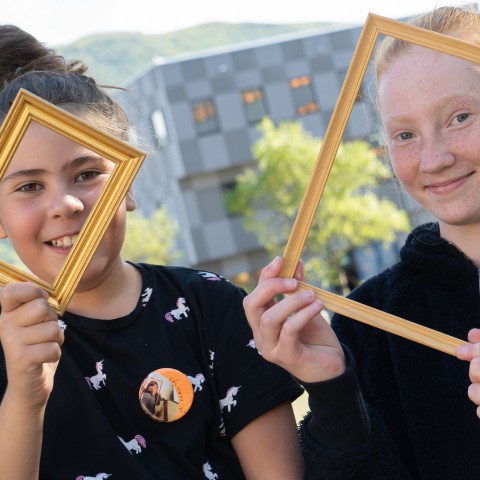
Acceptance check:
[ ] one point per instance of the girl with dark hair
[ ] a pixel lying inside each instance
(127, 322)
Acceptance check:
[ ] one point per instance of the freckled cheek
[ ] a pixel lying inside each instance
(403, 167)
(465, 145)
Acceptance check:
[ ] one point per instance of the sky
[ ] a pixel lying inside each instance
(58, 22)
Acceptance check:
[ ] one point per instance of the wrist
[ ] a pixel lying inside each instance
(17, 402)
(324, 370)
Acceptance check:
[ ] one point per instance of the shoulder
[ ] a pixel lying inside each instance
(194, 281)
(385, 286)
(418, 257)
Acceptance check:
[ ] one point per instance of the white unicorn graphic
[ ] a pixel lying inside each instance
(211, 354)
(99, 476)
(178, 312)
(222, 430)
(135, 444)
(207, 470)
(146, 295)
(252, 344)
(228, 401)
(62, 324)
(97, 379)
(210, 276)
(197, 381)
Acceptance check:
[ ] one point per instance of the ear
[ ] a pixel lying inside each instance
(3, 233)
(130, 202)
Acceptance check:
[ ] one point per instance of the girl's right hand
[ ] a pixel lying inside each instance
(31, 339)
(292, 332)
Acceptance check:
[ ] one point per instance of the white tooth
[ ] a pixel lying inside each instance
(64, 241)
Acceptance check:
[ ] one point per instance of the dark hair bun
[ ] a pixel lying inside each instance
(21, 52)
(26, 63)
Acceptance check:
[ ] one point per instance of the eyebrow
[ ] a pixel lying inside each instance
(33, 172)
(459, 98)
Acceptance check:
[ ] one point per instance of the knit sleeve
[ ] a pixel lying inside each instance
(340, 417)
(339, 439)
(356, 428)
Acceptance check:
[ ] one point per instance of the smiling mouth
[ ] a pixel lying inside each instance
(64, 242)
(448, 186)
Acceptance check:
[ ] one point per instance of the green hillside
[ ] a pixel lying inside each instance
(115, 57)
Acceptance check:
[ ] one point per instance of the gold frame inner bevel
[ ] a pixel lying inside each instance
(28, 107)
(375, 25)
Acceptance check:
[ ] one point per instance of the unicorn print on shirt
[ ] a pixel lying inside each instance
(210, 276)
(229, 401)
(97, 380)
(99, 476)
(222, 429)
(207, 470)
(252, 344)
(211, 355)
(135, 444)
(197, 381)
(147, 293)
(177, 313)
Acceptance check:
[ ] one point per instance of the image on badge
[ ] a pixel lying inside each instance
(166, 395)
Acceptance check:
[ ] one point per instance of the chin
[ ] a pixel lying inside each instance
(95, 274)
(47, 278)
(455, 221)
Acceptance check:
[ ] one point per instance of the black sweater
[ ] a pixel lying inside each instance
(401, 409)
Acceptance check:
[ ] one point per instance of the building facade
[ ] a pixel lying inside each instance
(198, 115)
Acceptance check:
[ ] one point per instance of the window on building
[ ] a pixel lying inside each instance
(205, 116)
(160, 128)
(254, 102)
(227, 187)
(303, 95)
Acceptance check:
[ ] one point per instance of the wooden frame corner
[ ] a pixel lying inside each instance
(28, 108)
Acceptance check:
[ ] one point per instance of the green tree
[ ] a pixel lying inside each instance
(152, 239)
(350, 214)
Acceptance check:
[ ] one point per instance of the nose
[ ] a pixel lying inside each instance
(65, 205)
(435, 155)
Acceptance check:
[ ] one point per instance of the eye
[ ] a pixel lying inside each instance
(87, 175)
(405, 135)
(461, 118)
(29, 188)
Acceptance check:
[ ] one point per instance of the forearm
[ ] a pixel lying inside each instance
(339, 419)
(21, 430)
(268, 447)
(344, 439)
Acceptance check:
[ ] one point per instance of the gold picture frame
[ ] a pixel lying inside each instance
(28, 108)
(374, 26)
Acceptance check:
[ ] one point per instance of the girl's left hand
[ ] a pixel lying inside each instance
(471, 353)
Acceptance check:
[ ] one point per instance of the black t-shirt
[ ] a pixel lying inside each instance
(186, 320)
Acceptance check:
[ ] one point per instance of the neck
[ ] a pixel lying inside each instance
(116, 295)
(465, 237)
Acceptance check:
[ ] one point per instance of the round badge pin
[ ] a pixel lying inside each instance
(166, 395)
